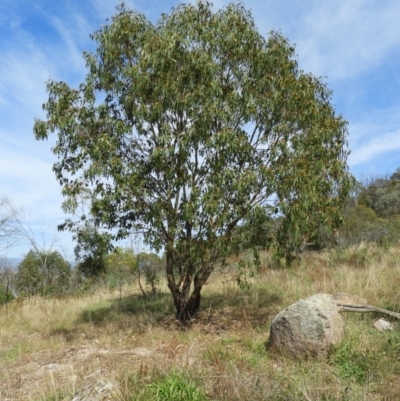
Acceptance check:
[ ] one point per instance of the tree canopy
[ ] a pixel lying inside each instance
(382, 195)
(183, 128)
(43, 273)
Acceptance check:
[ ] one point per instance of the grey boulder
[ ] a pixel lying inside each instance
(307, 327)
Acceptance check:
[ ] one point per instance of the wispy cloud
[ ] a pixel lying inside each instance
(29, 179)
(26, 165)
(334, 38)
(341, 39)
(375, 142)
(355, 43)
(23, 73)
(73, 30)
(375, 147)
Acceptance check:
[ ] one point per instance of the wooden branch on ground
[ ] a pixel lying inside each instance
(365, 308)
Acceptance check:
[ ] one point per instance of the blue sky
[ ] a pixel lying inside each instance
(354, 45)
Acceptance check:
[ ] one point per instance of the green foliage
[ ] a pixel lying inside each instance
(351, 364)
(257, 231)
(382, 195)
(93, 244)
(388, 233)
(396, 175)
(121, 266)
(5, 296)
(358, 224)
(121, 259)
(247, 265)
(91, 250)
(151, 265)
(357, 258)
(175, 387)
(392, 346)
(43, 273)
(182, 129)
(372, 213)
(7, 281)
(362, 224)
(28, 278)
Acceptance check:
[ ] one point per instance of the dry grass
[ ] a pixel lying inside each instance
(50, 347)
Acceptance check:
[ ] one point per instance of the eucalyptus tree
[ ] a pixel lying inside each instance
(183, 128)
(92, 244)
(43, 273)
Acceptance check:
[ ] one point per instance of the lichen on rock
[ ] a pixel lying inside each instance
(307, 327)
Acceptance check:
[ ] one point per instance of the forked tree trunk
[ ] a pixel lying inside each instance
(186, 304)
(187, 307)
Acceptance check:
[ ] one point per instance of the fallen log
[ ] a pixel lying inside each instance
(365, 309)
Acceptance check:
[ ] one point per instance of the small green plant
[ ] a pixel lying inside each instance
(257, 351)
(351, 363)
(175, 387)
(392, 345)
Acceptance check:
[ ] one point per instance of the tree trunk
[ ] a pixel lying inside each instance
(187, 308)
(187, 305)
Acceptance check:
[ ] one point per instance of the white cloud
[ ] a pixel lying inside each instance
(29, 180)
(72, 29)
(6, 8)
(26, 175)
(27, 65)
(337, 38)
(375, 147)
(345, 40)
(23, 74)
(341, 39)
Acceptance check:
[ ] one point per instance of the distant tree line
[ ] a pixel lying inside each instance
(50, 274)
(371, 214)
(44, 271)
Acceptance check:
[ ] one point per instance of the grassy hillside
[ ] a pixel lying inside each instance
(51, 347)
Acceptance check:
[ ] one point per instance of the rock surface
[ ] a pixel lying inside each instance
(98, 390)
(307, 327)
(383, 325)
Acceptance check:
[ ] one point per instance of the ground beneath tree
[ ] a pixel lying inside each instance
(71, 366)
